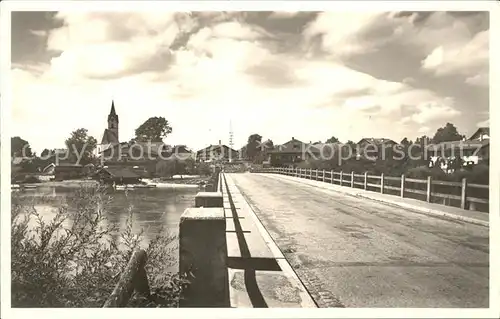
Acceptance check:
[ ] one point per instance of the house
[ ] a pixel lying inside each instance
(67, 171)
(483, 133)
(328, 150)
(469, 152)
(292, 152)
(219, 152)
(180, 152)
(118, 175)
(49, 169)
(375, 148)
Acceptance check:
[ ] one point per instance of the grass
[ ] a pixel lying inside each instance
(72, 260)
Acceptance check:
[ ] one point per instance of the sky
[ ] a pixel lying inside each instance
(308, 75)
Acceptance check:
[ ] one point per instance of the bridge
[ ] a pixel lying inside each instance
(350, 251)
(276, 240)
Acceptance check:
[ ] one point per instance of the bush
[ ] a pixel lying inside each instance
(204, 169)
(72, 261)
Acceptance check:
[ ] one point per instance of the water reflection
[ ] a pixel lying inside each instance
(152, 208)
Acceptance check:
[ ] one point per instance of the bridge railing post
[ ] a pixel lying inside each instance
(352, 179)
(463, 197)
(341, 178)
(402, 185)
(203, 257)
(366, 180)
(382, 183)
(310, 173)
(323, 176)
(331, 175)
(429, 188)
(317, 174)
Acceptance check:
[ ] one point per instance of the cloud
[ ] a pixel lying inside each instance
(110, 44)
(465, 57)
(202, 70)
(478, 80)
(424, 130)
(450, 44)
(283, 14)
(345, 33)
(432, 111)
(485, 123)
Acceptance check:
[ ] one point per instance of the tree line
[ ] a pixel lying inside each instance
(256, 150)
(81, 145)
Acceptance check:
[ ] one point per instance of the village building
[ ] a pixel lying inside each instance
(217, 153)
(468, 152)
(118, 175)
(292, 153)
(375, 148)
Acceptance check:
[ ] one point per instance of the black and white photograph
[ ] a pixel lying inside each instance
(245, 156)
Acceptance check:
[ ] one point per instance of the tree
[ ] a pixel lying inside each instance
(269, 144)
(423, 140)
(448, 133)
(254, 146)
(20, 147)
(405, 142)
(155, 129)
(81, 144)
(332, 139)
(45, 153)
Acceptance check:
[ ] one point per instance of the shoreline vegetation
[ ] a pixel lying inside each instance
(177, 181)
(72, 260)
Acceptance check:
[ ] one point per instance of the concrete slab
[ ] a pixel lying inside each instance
(208, 199)
(263, 289)
(245, 224)
(256, 246)
(260, 276)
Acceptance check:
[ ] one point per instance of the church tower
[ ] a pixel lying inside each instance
(113, 121)
(110, 135)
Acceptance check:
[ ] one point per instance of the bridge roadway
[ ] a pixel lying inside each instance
(353, 252)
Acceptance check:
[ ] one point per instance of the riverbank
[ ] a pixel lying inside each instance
(182, 180)
(67, 183)
(178, 181)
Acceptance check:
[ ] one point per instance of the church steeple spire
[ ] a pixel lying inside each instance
(112, 114)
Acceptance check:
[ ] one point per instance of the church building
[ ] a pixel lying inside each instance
(110, 136)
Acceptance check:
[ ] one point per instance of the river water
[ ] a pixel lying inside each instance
(152, 208)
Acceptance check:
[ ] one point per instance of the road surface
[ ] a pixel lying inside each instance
(353, 252)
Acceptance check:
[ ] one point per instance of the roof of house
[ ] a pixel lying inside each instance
(295, 146)
(216, 147)
(460, 144)
(51, 165)
(109, 137)
(120, 171)
(181, 149)
(328, 145)
(376, 141)
(480, 131)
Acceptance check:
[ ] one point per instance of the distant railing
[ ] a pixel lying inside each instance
(134, 277)
(384, 184)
